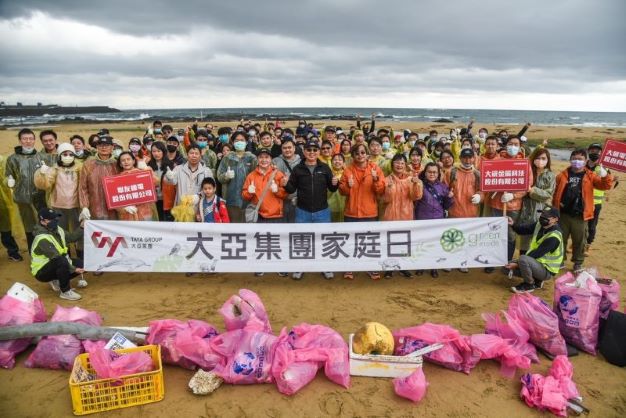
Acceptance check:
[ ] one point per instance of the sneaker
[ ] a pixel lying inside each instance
(523, 288)
(15, 257)
(297, 276)
(419, 272)
(388, 275)
(447, 270)
(188, 274)
(464, 270)
(54, 284)
(328, 275)
(490, 269)
(577, 267)
(587, 250)
(538, 284)
(283, 274)
(82, 283)
(348, 275)
(259, 274)
(70, 295)
(434, 274)
(406, 273)
(98, 273)
(374, 275)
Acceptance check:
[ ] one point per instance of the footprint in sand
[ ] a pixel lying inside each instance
(331, 404)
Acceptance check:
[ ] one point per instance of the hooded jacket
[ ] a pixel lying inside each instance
(272, 205)
(400, 194)
(361, 201)
(242, 167)
(90, 190)
(22, 167)
(464, 183)
(590, 181)
(515, 204)
(62, 182)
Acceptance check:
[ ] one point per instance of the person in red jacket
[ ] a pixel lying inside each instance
(574, 198)
(211, 208)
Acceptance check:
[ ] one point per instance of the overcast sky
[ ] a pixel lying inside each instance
(552, 55)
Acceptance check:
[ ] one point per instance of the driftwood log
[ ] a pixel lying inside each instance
(81, 331)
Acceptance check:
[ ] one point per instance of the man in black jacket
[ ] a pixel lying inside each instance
(312, 179)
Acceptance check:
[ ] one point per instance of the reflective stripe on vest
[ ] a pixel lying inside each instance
(552, 260)
(598, 195)
(37, 261)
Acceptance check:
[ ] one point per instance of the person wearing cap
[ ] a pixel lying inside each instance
(594, 150)
(134, 146)
(573, 196)
(50, 261)
(330, 134)
(20, 169)
(540, 194)
(7, 214)
(465, 185)
(61, 183)
(90, 191)
(312, 180)
(173, 153)
(545, 254)
(232, 172)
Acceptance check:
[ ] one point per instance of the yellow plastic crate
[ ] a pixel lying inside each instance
(100, 395)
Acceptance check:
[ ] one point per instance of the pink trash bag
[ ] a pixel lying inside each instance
(301, 352)
(456, 353)
(577, 305)
(111, 365)
(487, 346)
(511, 330)
(184, 344)
(16, 312)
(246, 356)
(412, 387)
(59, 351)
(90, 346)
(541, 323)
(610, 296)
(245, 311)
(553, 391)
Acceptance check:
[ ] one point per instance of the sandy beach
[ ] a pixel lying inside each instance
(133, 299)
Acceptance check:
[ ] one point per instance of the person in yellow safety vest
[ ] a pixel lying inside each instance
(545, 255)
(594, 152)
(49, 258)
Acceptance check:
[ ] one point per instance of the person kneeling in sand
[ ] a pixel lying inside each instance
(49, 255)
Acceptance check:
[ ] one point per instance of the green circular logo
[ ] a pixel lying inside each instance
(451, 240)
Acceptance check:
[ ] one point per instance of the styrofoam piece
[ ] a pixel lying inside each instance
(22, 292)
(387, 366)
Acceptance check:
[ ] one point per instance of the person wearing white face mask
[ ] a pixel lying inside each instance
(513, 201)
(81, 154)
(20, 168)
(61, 182)
(540, 194)
(573, 196)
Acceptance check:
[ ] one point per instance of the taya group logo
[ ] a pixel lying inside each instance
(101, 241)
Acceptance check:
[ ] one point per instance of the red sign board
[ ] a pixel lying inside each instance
(614, 155)
(129, 189)
(506, 175)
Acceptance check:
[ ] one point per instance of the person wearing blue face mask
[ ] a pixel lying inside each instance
(209, 158)
(574, 198)
(49, 255)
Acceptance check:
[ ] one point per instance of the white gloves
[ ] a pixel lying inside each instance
(85, 215)
(170, 174)
(274, 187)
(131, 209)
(208, 172)
(251, 188)
(141, 164)
(476, 198)
(44, 169)
(389, 155)
(230, 173)
(603, 173)
(11, 182)
(195, 199)
(506, 197)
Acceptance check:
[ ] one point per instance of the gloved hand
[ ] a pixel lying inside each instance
(476, 198)
(170, 174)
(131, 209)
(11, 182)
(274, 187)
(44, 169)
(141, 164)
(389, 155)
(230, 173)
(603, 173)
(208, 172)
(251, 188)
(506, 197)
(85, 215)
(195, 199)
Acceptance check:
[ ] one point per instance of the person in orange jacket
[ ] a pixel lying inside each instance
(490, 153)
(465, 184)
(573, 196)
(513, 201)
(271, 210)
(401, 191)
(361, 183)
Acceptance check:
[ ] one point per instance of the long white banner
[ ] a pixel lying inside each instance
(366, 246)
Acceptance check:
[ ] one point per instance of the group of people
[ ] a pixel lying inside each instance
(302, 176)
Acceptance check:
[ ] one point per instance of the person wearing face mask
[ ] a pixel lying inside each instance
(336, 201)
(118, 148)
(465, 185)
(513, 201)
(50, 262)
(209, 158)
(61, 182)
(7, 215)
(302, 128)
(90, 191)
(173, 153)
(594, 150)
(127, 164)
(80, 153)
(545, 255)
(540, 194)
(223, 138)
(286, 163)
(20, 169)
(232, 172)
(573, 196)
(380, 154)
(134, 146)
